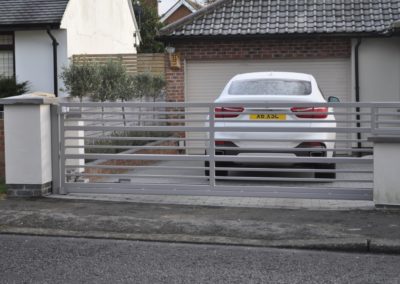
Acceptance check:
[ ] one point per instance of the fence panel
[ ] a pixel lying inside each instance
(134, 63)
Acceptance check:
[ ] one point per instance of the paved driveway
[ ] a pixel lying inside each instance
(189, 173)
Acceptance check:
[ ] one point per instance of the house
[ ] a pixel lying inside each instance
(37, 37)
(351, 47)
(179, 10)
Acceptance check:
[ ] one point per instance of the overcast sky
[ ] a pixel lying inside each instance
(164, 5)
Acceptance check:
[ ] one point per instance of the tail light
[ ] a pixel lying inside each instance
(310, 112)
(228, 112)
(312, 145)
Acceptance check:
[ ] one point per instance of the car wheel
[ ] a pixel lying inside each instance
(325, 167)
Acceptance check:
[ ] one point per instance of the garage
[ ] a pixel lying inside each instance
(205, 80)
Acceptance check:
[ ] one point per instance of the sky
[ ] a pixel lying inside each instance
(164, 5)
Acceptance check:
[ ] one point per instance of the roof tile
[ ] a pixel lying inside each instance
(251, 17)
(26, 12)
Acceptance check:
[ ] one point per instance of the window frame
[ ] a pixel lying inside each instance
(9, 47)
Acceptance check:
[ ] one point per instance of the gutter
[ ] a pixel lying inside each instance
(357, 86)
(55, 63)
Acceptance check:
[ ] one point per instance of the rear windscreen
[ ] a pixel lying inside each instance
(270, 87)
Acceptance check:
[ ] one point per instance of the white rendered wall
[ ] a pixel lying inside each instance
(99, 27)
(379, 69)
(386, 173)
(34, 58)
(27, 144)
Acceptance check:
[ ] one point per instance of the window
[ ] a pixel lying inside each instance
(270, 87)
(7, 55)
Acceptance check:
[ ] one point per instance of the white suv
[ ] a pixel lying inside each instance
(274, 87)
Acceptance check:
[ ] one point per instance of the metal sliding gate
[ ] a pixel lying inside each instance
(275, 150)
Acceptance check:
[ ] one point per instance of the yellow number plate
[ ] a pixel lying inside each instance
(268, 116)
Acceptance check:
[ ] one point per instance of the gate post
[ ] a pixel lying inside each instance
(28, 154)
(386, 171)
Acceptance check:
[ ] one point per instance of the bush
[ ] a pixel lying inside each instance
(127, 143)
(9, 87)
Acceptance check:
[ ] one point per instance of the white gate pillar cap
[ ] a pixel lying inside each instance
(37, 98)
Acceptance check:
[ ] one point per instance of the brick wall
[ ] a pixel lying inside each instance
(2, 157)
(182, 11)
(251, 49)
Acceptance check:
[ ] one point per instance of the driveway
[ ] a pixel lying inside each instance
(190, 173)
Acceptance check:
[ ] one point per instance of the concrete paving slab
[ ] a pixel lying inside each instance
(312, 204)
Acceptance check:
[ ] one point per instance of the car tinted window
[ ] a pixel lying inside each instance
(270, 87)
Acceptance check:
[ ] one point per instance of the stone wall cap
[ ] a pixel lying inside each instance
(384, 139)
(38, 98)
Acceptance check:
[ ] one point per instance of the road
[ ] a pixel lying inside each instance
(28, 259)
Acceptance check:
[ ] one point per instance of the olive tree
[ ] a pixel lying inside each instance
(81, 79)
(127, 91)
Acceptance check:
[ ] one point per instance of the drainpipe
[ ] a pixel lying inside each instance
(55, 65)
(357, 83)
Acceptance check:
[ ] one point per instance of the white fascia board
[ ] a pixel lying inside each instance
(134, 20)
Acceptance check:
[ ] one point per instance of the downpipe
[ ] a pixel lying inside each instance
(55, 63)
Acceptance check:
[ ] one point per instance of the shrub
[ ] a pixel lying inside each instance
(128, 143)
(9, 87)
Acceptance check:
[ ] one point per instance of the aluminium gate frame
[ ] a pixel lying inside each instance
(60, 186)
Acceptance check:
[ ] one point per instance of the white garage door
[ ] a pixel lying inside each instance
(205, 80)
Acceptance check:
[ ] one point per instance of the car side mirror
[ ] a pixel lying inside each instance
(333, 99)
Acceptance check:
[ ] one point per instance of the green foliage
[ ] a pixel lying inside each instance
(9, 87)
(149, 24)
(110, 82)
(149, 85)
(81, 79)
(158, 84)
(113, 78)
(142, 83)
(127, 89)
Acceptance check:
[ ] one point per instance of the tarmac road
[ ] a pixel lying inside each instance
(28, 259)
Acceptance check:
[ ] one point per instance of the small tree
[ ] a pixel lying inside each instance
(157, 85)
(126, 92)
(81, 79)
(142, 84)
(111, 76)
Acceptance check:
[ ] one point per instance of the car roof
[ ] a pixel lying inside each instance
(274, 75)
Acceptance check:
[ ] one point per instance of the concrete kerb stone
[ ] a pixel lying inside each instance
(344, 245)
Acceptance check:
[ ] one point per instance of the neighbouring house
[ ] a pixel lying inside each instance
(351, 47)
(179, 10)
(37, 37)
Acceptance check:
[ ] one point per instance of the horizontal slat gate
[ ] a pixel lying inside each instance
(142, 149)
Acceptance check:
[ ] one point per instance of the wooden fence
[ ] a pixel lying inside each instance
(134, 63)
